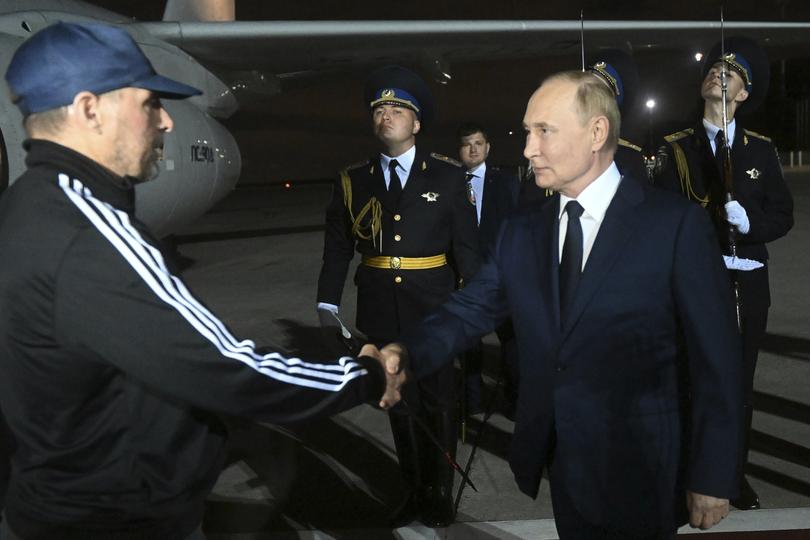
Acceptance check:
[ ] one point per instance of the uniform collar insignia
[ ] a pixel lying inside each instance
(431, 196)
(753, 173)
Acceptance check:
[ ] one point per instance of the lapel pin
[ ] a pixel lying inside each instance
(753, 173)
(431, 196)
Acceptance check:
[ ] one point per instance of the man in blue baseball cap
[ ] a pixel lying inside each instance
(74, 76)
(113, 376)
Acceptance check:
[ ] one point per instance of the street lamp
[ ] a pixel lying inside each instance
(649, 154)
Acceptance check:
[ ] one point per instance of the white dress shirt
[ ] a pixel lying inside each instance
(595, 200)
(711, 132)
(477, 181)
(404, 164)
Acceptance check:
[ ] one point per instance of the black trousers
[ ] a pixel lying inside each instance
(753, 325)
(571, 525)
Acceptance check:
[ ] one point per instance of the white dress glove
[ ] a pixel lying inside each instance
(735, 263)
(737, 216)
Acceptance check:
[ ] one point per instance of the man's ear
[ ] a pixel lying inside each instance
(742, 95)
(85, 111)
(599, 132)
(417, 125)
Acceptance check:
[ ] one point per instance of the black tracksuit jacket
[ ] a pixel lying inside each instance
(112, 373)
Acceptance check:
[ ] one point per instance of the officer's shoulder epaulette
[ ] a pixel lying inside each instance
(446, 159)
(628, 144)
(757, 135)
(672, 137)
(357, 165)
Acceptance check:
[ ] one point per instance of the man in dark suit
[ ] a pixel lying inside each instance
(762, 209)
(405, 211)
(604, 284)
(494, 194)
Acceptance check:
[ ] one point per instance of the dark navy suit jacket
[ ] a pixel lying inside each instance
(500, 197)
(609, 393)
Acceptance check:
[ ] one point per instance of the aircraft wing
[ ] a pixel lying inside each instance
(293, 47)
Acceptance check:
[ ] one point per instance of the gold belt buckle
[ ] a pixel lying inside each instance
(396, 263)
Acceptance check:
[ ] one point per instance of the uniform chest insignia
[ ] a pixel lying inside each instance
(753, 173)
(431, 196)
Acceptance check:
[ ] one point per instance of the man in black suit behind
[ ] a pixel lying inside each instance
(605, 284)
(494, 194)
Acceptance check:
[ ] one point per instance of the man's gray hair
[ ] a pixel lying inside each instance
(593, 99)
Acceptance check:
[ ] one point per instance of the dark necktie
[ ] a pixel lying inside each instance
(394, 183)
(719, 143)
(470, 188)
(571, 261)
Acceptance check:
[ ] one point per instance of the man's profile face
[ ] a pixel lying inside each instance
(473, 150)
(558, 146)
(394, 125)
(137, 127)
(711, 88)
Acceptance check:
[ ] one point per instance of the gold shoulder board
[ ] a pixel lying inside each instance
(672, 137)
(357, 165)
(628, 144)
(446, 159)
(757, 135)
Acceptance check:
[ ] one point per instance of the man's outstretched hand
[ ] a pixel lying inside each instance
(394, 376)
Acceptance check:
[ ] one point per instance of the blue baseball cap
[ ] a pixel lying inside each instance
(58, 62)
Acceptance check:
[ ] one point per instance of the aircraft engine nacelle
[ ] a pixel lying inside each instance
(201, 164)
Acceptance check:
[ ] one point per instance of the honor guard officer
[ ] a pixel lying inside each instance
(762, 209)
(618, 71)
(405, 211)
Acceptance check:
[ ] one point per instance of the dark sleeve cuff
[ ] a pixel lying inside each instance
(376, 375)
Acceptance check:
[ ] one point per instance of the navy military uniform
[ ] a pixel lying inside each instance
(404, 247)
(690, 167)
(405, 242)
(617, 69)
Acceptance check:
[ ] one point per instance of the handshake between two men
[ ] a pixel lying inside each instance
(392, 358)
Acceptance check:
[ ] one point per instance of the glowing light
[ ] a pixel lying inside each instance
(650, 104)
(698, 56)
(287, 185)
(511, 133)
